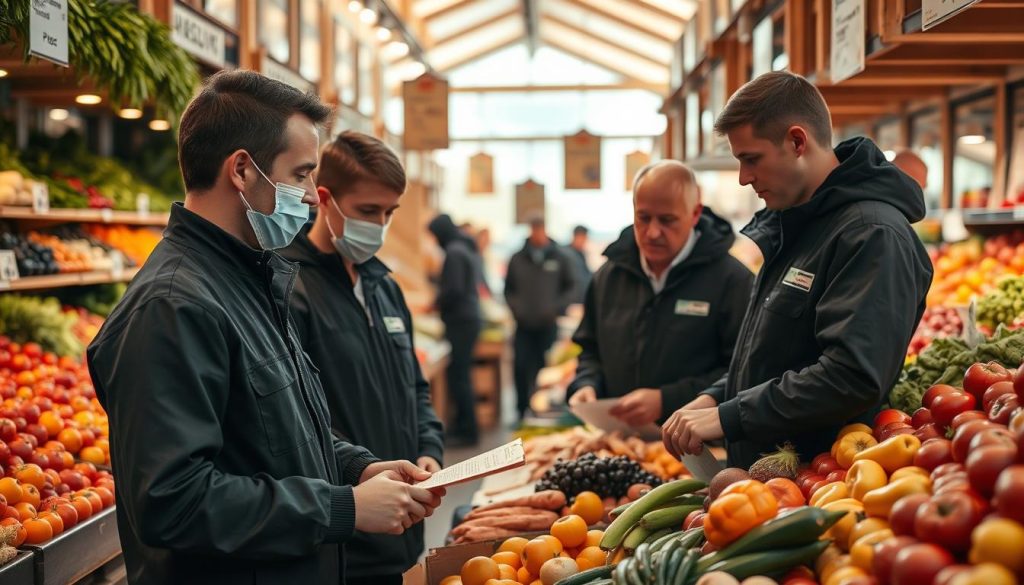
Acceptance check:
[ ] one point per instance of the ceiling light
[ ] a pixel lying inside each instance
(889, 154)
(88, 99)
(59, 114)
(159, 125)
(395, 50)
(368, 16)
(355, 6)
(972, 139)
(383, 34)
(3, 73)
(130, 113)
(414, 70)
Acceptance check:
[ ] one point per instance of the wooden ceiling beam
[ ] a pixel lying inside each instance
(550, 18)
(481, 52)
(626, 85)
(884, 77)
(926, 55)
(869, 93)
(515, 11)
(454, 6)
(658, 11)
(620, 19)
(575, 52)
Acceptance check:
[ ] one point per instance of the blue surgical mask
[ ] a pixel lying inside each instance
(278, 229)
(360, 240)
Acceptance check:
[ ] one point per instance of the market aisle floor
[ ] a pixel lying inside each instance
(438, 525)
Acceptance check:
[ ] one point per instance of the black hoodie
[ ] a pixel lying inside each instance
(835, 305)
(458, 297)
(679, 340)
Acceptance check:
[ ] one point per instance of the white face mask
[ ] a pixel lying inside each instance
(278, 229)
(360, 240)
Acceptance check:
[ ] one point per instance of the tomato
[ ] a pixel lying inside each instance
(985, 463)
(37, 531)
(68, 514)
(40, 458)
(922, 416)
(55, 522)
(918, 564)
(94, 499)
(82, 505)
(996, 435)
(885, 556)
(1018, 382)
(20, 448)
(946, 406)
(995, 391)
(8, 430)
(950, 479)
(892, 429)
(1009, 493)
(903, 513)
(837, 475)
(1016, 425)
(87, 469)
(31, 474)
(807, 484)
(933, 453)
(935, 391)
(962, 438)
(106, 496)
(74, 479)
(800, 572)
(947, 520)
(891, 415)
(966, 417)
(927, 432)
(1003, 408)
(980, 377)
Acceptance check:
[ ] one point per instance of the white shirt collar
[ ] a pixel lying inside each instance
(658, 283)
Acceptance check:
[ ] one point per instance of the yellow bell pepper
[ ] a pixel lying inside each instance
(835, 564)
(865, 476)
(854, 428)
(862, 551)
(879, 503)
(866, 527)
(985, 574)
(828, 493)
(851, 444)
(844, 575)
(998, 541)
(893, 453)
(907, 471)
(840, 531)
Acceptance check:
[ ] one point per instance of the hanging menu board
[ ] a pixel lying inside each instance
(935, 12)
(481, 174)
(848, 45)
(48, 30)
(197, 35)
(529, 200)
(426, 113)
(583, 161)
(634, 162)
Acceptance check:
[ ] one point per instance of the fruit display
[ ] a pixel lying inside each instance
(26, 319)
(608, 476)
(936, 323)
(136, 243)
(1002, 306)
(53, 435)
(542, 452)
(531, 513)
(973, 267)
(65, 249)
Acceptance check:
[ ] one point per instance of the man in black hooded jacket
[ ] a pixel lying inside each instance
(841, 290)
(661, 316)
(458, 300)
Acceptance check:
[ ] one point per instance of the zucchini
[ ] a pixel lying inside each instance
(667, 517)
(767, 562)
(669, 561)
(602, 572)
(692, 538)
(692, 499)
(622, 524)
(658, 535)
(619, 575)
(665, 539)
(643, 560)
(635, 538)
(682, 575)
(633, 573)
(802, 526)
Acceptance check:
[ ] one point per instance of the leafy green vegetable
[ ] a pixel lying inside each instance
(24, 319)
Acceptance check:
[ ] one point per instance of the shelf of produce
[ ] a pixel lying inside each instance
(20, 571)
(32, 283)
(79, 551)
(982, 219)
(85, 216)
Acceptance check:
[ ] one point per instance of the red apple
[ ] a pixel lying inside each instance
(1003, 408)
(984, 465)
(922, 416)
(979, 377)
(995, 391)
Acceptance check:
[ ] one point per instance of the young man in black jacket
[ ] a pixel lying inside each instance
(842, 287)
(219, 432)
(353, 321)
(661, 316)
(458, 300)
(539, 286)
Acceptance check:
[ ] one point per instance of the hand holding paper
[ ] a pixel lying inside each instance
(495, 461)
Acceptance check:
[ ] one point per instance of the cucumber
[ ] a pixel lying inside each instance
(665, 539)
(667, 517)
(682, 575)
(643, 560)
(633, 573)
(799, 527)
(692, 538)
(763, 563)
(670, 558)
(692, 499)
(585, 577)
(635, 538)
(600, 582)
(622, 524)
(658, 535)
(619, 575)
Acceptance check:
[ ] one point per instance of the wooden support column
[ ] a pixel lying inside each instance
(823, 40)
(948, 141)
(999, 126)
(796, 36)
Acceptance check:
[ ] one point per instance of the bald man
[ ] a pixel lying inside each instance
(662, 315)
(913, 166)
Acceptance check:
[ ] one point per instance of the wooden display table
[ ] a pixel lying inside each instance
(487, 378)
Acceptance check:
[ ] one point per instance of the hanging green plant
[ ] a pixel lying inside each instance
(128, 53)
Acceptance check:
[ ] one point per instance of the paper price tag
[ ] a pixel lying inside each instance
(8, 269)
(106, 215)
(117, 265)
(1018, 212)
(142, 203)
(40, 197)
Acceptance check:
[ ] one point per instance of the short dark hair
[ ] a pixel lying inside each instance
(580, 230)
(239, 110)
(773, 103)
(353, 157)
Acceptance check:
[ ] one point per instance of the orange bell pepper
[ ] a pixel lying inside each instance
(786, 492)
(851, 444)
(863, 477)
(893, 453)
(742, 506)
(854, 428)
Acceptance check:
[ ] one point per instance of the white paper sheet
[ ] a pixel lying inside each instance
(703, 466)
(597, 414)
(507, 456)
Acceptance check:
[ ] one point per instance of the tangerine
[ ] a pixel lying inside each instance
(516, 544)
(507, 558)
(594, 538)
(571, 530)
(591, 557)
(537, 552)
(588, 506)
(477, 570)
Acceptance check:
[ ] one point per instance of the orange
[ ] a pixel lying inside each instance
(93, 455)
(554, 542)
(537, 552)
(524, 575)
(10, 490)
(37, 531)
(56, 522)
(591, 557)
(570, 530)
(30, 494)
(71, 439)
(516, 544)
(507, 558)
(507, 572)
(451, 580)
(103, 445)
(52, 422)
(588, 506)
(478, 570)
(31, 474)
(594, 538)
(565, 554)
(25, 510)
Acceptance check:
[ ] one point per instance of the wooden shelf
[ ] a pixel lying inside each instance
(85, 216)
(983, 218)
(31, 283)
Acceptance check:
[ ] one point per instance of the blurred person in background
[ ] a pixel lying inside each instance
(577, 251)
(913, 166)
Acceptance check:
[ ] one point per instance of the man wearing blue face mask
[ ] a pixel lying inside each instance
(220, 435)
(353, 320)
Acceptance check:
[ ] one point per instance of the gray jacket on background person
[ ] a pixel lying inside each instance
(540, 285)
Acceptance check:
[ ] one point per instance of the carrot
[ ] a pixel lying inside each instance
(545, 500)
(510, 511)
(521, 523)
(483, 533)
